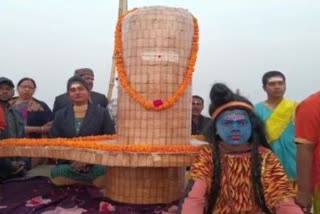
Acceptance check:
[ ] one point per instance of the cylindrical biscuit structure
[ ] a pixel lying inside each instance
(157, 44)
(156, 49)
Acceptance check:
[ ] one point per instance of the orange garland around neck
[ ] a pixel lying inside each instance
(157, 104)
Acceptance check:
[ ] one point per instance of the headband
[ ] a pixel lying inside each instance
(230, 104)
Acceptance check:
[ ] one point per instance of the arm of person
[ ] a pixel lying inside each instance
(108, 124)
(304, 171)
(307, 126)
(32, 129)
(200, 174)
(195, 197)
(38, 129)
(289, 207)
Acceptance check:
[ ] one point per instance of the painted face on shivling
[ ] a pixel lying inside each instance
(234, 126)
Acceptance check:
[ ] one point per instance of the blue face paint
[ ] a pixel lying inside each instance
(234, 126)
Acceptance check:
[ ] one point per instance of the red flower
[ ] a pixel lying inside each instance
(157, 103)
(37, 201)
(105, 207)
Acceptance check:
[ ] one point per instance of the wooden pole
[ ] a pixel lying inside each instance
(123, 8)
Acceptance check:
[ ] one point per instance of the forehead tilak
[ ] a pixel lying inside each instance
(234, 114)
(275, 79)
(76, 85)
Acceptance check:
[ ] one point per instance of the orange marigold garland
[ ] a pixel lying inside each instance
(97, 137)
(97, 145)
(170, 101)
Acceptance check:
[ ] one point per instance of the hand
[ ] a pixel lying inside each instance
(304, 201)
(46, 127)
(18, 166)
(172, 210)
(80, 167)
(48, 124)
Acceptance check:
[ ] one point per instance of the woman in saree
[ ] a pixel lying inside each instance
(36, 114)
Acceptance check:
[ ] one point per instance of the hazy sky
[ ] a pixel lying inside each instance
(239, 41)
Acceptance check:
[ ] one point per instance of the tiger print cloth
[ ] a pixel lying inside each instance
(236, 194)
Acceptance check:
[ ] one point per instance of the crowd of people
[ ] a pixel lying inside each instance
(261, 158)
(291, 130)
(78, 112)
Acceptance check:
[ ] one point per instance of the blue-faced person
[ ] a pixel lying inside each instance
(238, 158)
(234, 126)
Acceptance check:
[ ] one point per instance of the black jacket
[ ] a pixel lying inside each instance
(97, 121)
(63, 100)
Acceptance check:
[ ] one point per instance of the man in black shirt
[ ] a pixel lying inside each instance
(199, 122)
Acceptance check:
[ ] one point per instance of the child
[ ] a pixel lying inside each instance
(237, 172)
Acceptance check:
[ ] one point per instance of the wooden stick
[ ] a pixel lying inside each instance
(123, 8)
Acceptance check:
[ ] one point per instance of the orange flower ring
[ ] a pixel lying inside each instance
(147, 104)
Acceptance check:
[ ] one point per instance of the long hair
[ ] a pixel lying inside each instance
(219, 95)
